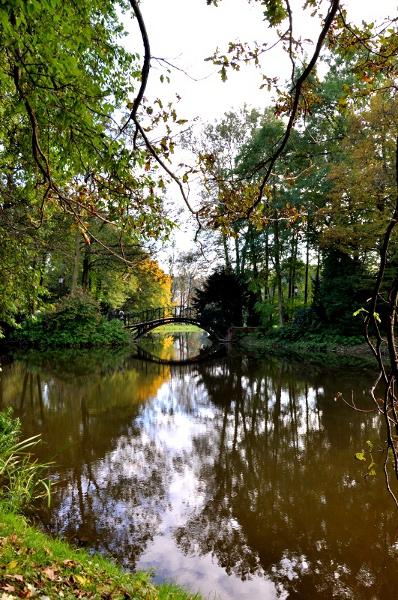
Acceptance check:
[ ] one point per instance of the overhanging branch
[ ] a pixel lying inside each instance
(296, 91)
(145, 67)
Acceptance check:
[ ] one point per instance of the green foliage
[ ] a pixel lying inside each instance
(306, 320)
(297, 337)
(20, 288)
(69, 90)
(78, 310)
(266, 313)
(9, 431)
(366, 456)
(309, 332)
(76, 321)
(21, 477)
(66, 80)
(275, 11)
(325, 339)
(328, 197)
(343, 286)
(362, 311)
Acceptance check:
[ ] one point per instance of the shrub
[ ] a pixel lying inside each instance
(75, 322)
(306, 319)
(225, 300)
(78, 310)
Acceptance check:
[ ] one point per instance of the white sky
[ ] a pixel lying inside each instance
(185, 32)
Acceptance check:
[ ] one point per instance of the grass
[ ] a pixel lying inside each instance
(177, 328)
(21, 477)
(33, 564)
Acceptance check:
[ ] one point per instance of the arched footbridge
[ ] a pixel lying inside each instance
(143, 322)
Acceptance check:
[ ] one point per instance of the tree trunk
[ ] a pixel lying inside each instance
(291, 268)
(76, 265)
(294, 265)
(266, 274)
(244, 256)
(32, 296)
(86, 268)
(278, 269)
(253, 255)
(189, 293)
(226, 253)
(237, 256)
(318, 268)
(307, 261)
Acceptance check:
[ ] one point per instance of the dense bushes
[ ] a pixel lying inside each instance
(75, 322)
(309, 331)
(325, 339)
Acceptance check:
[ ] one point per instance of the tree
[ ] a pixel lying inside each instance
(215, 151)
(224, 301)
(67, 161)
(371, 51)
(344, 286)
(58, 112)
(187, 274)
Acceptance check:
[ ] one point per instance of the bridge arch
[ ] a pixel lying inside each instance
(144, 322)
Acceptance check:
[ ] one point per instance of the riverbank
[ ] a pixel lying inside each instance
(33, 564)
(319, 347)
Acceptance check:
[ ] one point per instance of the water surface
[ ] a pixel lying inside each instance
(235, 477)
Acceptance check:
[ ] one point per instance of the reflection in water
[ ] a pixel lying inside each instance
(233, 477)
(178, 351)
(174, 347)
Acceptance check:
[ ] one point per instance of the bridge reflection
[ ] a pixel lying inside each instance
(205, 354)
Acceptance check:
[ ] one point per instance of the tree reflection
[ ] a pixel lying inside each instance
(115, 505)
(110, 481)
(277, 474)
(274, 489)
(181, 346)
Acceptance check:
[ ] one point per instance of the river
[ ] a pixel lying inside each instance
(235, 477)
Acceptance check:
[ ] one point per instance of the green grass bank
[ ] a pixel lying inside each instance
(35, 565)
(177, 328)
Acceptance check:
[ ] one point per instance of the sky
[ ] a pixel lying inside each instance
(185, 32)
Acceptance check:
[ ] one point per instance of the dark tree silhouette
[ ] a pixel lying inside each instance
(225, 300)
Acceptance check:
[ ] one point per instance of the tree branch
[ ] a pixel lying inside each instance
(296, 90)
(155, 155)
(145, 67)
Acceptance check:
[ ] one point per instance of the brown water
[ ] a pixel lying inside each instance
(234, 477)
